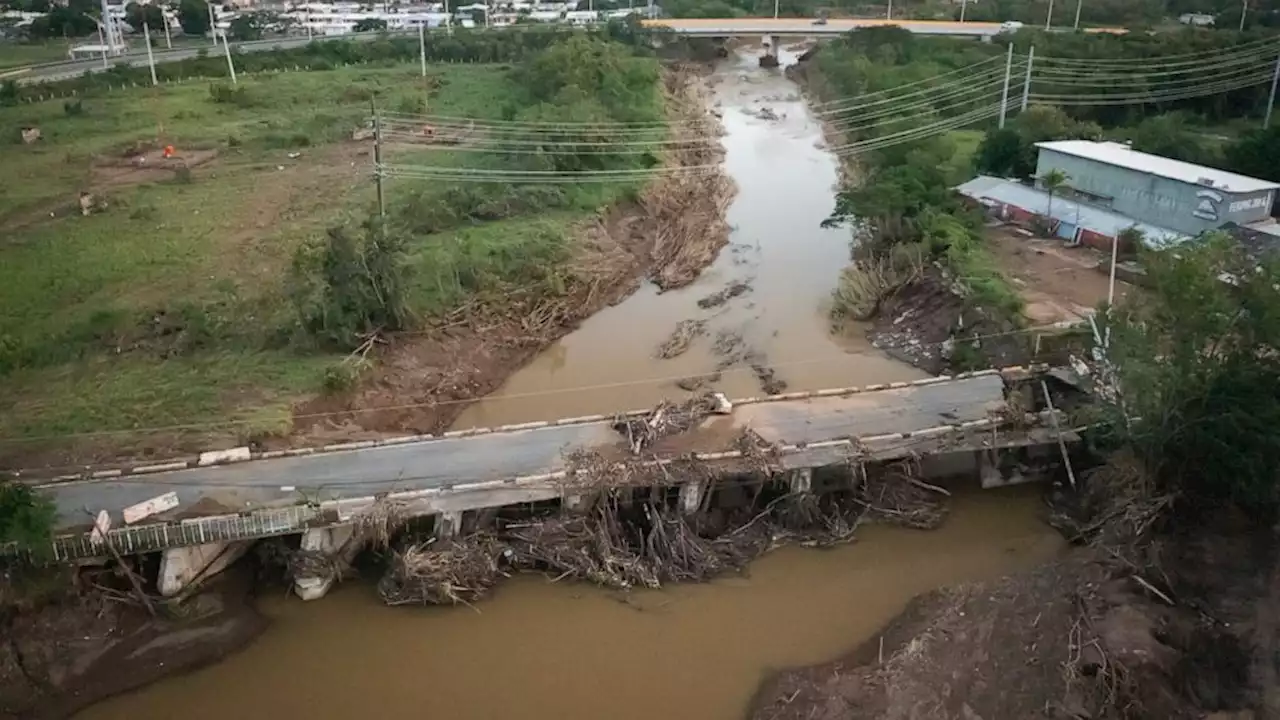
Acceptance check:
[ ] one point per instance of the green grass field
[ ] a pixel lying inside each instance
(16, 54)
(169, 307)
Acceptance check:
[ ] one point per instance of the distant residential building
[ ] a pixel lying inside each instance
(1181, 196)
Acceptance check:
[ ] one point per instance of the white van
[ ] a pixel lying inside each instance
(1010, 26)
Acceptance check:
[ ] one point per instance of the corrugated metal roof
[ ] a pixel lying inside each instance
(1099, 220)
(1124, 156)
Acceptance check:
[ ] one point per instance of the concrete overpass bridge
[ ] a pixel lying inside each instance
(714, 28)
(225, 499)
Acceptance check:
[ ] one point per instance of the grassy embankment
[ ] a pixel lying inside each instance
(171, 306)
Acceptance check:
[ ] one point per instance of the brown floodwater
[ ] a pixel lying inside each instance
(786, 183)
(547, 651)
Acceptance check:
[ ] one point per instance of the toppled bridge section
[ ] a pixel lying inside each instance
(970, 416)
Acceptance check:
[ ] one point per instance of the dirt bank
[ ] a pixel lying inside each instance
(928, 323)
(79, 644)
(668, 234)
(1080, 637)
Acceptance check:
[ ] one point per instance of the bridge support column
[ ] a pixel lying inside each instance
(801, 481)
(186, 567)
(770, 57)
(448, 524)
(691, 494)
(336, 543)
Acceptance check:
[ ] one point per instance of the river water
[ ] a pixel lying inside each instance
(548, 651)
(786, 184)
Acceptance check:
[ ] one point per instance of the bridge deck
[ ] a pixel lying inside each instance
(446, 462)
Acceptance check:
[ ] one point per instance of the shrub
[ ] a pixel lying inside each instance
(72, 108)
(26, 517)
(349, 285)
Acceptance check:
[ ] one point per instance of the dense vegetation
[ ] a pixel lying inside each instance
(1200, 378)
(911, 152)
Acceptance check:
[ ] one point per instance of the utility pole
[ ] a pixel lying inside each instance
(151, 59)
(106, 27)
(103, 44)
(231, 67)
(168, 38)
(213, 23)
(1244, 8)
(422, 45)
(377, 158)
(1004, 96)
(964, 5)
(1048, 18)
(775, 9)
(1026, 84)
(889, 14)
(1271, 99)
(1079, 5)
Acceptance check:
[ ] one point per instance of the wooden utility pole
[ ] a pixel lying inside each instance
(1004, 96)
(377, 158)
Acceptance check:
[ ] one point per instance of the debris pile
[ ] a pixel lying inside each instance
(680, 339)
(666, 419)
(894, 494)
(619, 545)
(457, 572)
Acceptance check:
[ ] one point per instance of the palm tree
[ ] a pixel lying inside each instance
(1053, 181)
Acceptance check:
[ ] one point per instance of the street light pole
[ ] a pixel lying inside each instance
(964, 5)
(213, 23)
(889, 14)
(1048, 18)
(1079, 5)
(775, 9)
(1244, 8)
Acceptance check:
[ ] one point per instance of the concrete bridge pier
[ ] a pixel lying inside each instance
(801, 481)
(186, 567)
(448, 524)
(691, 496)
(336, 542)
(770, 57)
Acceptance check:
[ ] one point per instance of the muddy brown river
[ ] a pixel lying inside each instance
(549, 651)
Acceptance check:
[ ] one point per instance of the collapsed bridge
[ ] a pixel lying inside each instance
(214, 505)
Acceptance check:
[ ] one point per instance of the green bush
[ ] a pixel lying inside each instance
(26, 517)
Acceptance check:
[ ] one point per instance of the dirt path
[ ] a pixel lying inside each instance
(1058, 284)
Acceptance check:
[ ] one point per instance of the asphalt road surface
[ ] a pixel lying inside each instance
(498, 456)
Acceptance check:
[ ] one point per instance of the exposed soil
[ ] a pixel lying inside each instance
(424, 380)
(80, 648)
(1057, 283)
(1076, 638)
